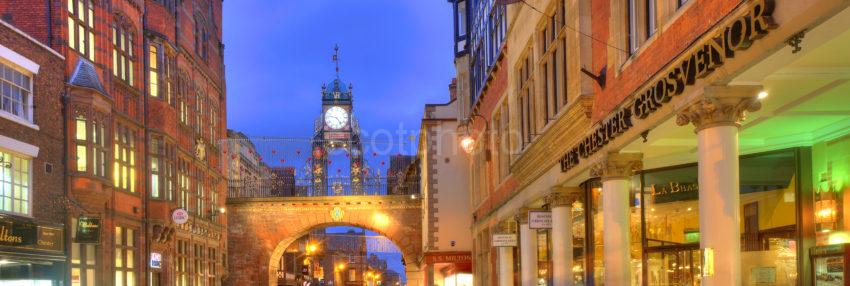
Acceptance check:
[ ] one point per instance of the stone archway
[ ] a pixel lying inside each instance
(259, 230)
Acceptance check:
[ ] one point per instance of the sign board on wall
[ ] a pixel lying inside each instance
(88, 230)
(156, 260)
(504, 240)
(180, 216)
(539, 219)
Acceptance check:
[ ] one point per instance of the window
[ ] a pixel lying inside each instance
(125, 256)
(183, 185)
(212, 267)
(153, 70)
(641, 22)
(17, 92)
(201, 38)
(502, 141)
(183, 89)
(81, 27)
(181, 261)
(83, 261)
(124, 164)
(526, 99)
(15, 177)
(123, 60)
(552, 43)
(199, 265)
(460, 27)
(90, 139)
(200, 196)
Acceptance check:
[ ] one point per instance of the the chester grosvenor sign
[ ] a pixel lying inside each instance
(698, 63)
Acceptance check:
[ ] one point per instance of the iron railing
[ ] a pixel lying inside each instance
(277, 187)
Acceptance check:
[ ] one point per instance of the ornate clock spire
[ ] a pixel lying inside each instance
(336, 59)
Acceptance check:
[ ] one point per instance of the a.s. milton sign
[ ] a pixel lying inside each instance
(698, 63)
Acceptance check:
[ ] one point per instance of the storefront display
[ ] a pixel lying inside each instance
(31, 254)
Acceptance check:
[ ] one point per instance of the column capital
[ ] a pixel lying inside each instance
(506, 227)
(563, 196)
(720, 106)
(617, 166)
(522, 215)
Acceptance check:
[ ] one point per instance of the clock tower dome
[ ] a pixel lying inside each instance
(337, 129)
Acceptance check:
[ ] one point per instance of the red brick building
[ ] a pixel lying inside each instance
(32, 215)
(144, 106)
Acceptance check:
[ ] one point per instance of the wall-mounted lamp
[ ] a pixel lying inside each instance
(467, 142)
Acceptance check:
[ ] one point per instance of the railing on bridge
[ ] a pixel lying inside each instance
(289, 187)
(311, 167)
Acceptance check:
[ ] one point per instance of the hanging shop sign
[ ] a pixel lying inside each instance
(26, 234)
(156, 260)
(504, 240)
(539, 220)
(700, 61)
(88, 230)
(457, 257)
(179, 216)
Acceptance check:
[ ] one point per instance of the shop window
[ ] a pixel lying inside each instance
(90, 140)
(831, 176)
(768, 214)
(81, 27)
(16, 97)
(15, 180)
(123, 59)
(84, 262)
(596, 228)
(180, 263)
(124, 159)
(544, 258)
(125, 257)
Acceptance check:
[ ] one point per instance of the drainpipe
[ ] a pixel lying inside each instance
(146, 196)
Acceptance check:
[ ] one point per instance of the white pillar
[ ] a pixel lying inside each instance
(561, 203)
(415, 276)
(717, 118)
(528, 251)
(616, 170)
(506, 266)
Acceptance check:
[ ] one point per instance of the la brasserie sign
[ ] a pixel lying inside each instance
(699, 63)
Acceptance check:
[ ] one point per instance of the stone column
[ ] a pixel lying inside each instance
(561, 203)
(717, 116)
(415, 275)
(527, 250)
(506, 257)
(616, 170)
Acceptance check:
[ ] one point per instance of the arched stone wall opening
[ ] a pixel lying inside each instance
(260, 229)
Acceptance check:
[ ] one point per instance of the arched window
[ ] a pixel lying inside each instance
(81, 27)
(123, 57)
(201, 37)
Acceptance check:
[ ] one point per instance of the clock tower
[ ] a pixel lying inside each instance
(336, 129)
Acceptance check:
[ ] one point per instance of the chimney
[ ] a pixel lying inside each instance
(453, 89)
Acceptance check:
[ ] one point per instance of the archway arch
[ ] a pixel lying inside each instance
(261, 229)
(285, 243)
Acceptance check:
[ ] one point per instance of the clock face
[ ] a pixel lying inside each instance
(336, 117)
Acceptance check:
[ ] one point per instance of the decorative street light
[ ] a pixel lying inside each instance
(467, 142)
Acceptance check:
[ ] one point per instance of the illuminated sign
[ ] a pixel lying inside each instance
(156, 260)
(88, 230)
(698, 63)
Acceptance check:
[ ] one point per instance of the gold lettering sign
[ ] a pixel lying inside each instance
(7, 236)
(697, 63)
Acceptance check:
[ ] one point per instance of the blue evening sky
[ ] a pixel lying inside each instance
(397, 54)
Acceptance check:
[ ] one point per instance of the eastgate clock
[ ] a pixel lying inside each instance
(336, 118)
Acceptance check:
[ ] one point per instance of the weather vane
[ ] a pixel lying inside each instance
(336, 58)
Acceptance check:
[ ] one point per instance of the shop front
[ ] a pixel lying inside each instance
(452, 268)
(728, 172)
(31, 253)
